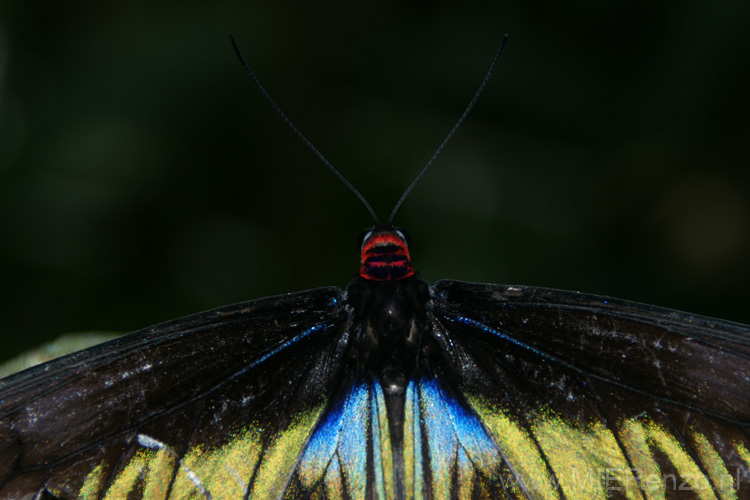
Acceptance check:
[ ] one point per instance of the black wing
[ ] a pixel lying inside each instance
(221, 400)
(518, 393)
(590, 397)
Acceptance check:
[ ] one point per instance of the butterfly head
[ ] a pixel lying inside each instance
(385, 254)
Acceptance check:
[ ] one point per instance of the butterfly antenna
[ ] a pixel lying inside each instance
(452, 132)
(299, 134)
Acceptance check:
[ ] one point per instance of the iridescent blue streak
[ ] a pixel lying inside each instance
(473, 322)
(342, 422)
(341, 432)
(449, 424)
(488, 329)
(263, 358)
(286, 344)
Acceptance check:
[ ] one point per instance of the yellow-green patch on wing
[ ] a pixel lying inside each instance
(524, 459)
(282, 455)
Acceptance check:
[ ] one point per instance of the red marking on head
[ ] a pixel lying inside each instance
(385, 256)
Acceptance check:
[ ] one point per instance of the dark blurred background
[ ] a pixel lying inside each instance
(142, 177)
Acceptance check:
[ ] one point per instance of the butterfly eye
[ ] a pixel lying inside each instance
(404, 236)
(364, 237)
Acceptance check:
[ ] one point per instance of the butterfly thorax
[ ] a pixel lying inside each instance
(390, 317)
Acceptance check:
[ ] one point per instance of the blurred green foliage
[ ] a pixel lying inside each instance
(64, 344)
(142, 177)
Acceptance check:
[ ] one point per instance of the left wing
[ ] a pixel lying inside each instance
(215, 405)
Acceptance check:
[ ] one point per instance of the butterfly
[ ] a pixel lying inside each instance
(391, 389)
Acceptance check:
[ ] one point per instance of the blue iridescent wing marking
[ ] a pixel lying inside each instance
(348, 455)
(446, 453)
(461, 456)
